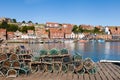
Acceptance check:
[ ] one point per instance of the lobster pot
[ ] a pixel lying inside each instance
(46, 59)
(64, 68)
(12, 73)
(82, 71)
(41, 67)
(7, 64)
(4, 70)
(63, 51)
(24, 70)
(49, 67)
(77, 57)
(89, 64)
(92, 71)
(34, 68)
(71, 68)
(57, 58)
(1, 50)
(78, 65)
(16, 64)
(43, 52)
(54, 51)
(3, 57)
(56, 67)
(66, 59)
(13, 57)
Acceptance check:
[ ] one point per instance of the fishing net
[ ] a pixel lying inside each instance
(56, 67)
(50, 67)
(3, 57)
(43, 52)
(7, 64)
(89, 64)
(54, 51)
(64, 51)
(13, 57)
(16, 64)
(64, 68)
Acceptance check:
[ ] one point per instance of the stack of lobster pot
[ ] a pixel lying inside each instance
(9, 62)
(10, 66)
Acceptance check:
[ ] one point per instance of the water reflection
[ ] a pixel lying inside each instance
(96, 51)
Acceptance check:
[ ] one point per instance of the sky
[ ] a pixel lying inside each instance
(90, 12)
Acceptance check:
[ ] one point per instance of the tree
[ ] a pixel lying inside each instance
(14, 20)
(4, 25)
(24, 29)
(30, 28)
(36, 23)
(29, 21)
(23, 22)
(75, 29)
(96, 30)
(12, 28)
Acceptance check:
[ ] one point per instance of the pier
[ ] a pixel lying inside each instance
(106, 71)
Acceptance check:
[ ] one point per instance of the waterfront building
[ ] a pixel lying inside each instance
(18, 34)
(87, 27)
(31, 34)
(10, 35)
(114, 30)
(107, 30)
(3, 34)
(52, 25)
(56, 33)
(9, 20)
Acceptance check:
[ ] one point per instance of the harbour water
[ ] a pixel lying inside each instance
(96, 51)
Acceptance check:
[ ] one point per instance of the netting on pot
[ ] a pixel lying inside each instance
(13, 57)
(49, 67)
(16, 64)
(3, 57)
(63, 51)
(12, 73)
(6, 64)
(43, 52)
(88, 63)
(54, 51)
(77, 57)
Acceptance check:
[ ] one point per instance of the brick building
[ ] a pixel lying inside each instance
(10, 35)
(3, 34)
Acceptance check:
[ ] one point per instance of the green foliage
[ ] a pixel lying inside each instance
(79, 29)
(4, 25)
(14, 20)
(30, 28)
(29, 21)
(12, 28)
(9, 27)
(64, 51)
(23, 22)
(25, 28)
(96, 30)
(75, 29)
(54, 51)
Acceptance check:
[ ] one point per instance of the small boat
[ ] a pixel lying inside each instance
(83, 41)
(101, 40)
(111, 61)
